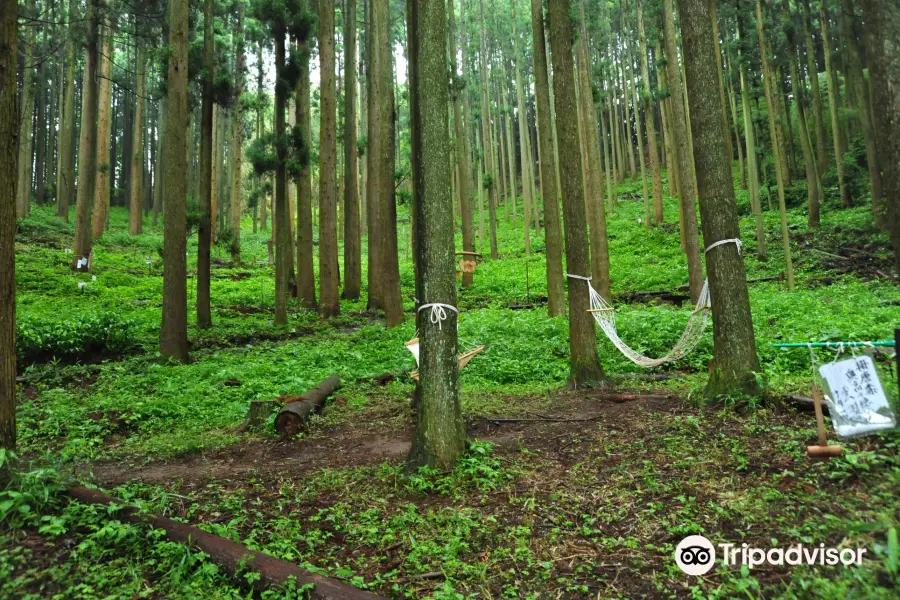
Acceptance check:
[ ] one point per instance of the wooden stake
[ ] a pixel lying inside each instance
(823, 450)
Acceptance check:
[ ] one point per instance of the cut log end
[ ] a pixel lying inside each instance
(823, 451)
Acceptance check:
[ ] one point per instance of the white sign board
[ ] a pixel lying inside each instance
(856, 401)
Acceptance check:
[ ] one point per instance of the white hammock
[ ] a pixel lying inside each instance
(605, 315)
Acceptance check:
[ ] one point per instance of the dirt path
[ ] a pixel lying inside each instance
(360, 445)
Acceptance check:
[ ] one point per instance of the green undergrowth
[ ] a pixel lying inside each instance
(509, 522)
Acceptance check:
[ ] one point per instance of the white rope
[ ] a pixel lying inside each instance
(736, 241)
(438, 312)
(581, 277)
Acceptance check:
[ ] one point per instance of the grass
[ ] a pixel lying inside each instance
(583, 509)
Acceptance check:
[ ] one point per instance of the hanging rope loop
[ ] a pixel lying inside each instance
(581, 277)
(735, 241)
(438, 312)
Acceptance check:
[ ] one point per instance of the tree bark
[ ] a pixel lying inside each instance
(159, 168)
(584, 363)
(26, 120)
(440, 431)
(812, 68)
(685, 166)
(352, 241)
(9, 128)
(65, 165)
(490, 168)
(833, 108)
(463, 156)
(858, 95)
(735, 365)
(102, 191)
(556, 300)
(882, 19)
(329, 304)
(87, 146)
(647, 95)
(136, 222)
(750, 137)
(237, 140)
(775, 134)
(204, 235)
(593, 189)
(384, 266)
(281, 223)
(173, 342)
(306, 277)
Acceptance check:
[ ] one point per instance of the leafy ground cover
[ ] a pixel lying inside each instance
(588, 506)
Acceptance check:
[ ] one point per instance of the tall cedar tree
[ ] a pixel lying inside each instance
(284, 19)
(384, 267)
(102, 191)
(204, 234)
(584, 363)
(684, 154)
(329, 303)
(26, 113)
(735, 364)
(136, 224)
(352, 241)
(87, 144)
(65, 165)
(440, 432)
(463, 159)
(556, 299)
(173, 342)
(237, 137)
(306, 276)
(491, 179)
(9, 37)
(882, 19)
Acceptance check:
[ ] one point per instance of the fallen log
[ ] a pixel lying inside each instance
(805, 403)
(291, 419)
(684, 288)
(232, 557)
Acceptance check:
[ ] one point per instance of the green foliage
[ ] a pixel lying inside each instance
(103, 334)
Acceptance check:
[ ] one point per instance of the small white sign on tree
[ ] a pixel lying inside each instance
(856, 399)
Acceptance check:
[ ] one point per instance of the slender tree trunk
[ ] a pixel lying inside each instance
(685, 166)
(524, 157)
(735, 365)
(882, 20)
(384, 267)
(750, 137)
(204, 241)
(632, 91)
(556, 300)
(173, 342)
(40, 125)
(584, 363)
(812, 68)
(463, 159)
(102, 191)
(593, 190)
(798, 90)
(646, 94)
(65, 167)
(135, 225)
(9, 126)
(352, 242)
(329, 304)
(774, 113)
(26, 120)
(734, 121)
(491, 171)
(440, 432)
(833, 104)
(281, 222)
(160, 162)
(306, 279)
(858, 95)
(87, 168)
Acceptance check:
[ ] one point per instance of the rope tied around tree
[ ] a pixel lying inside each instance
(438, 312)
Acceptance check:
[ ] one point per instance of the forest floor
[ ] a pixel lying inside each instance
(562, 494)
